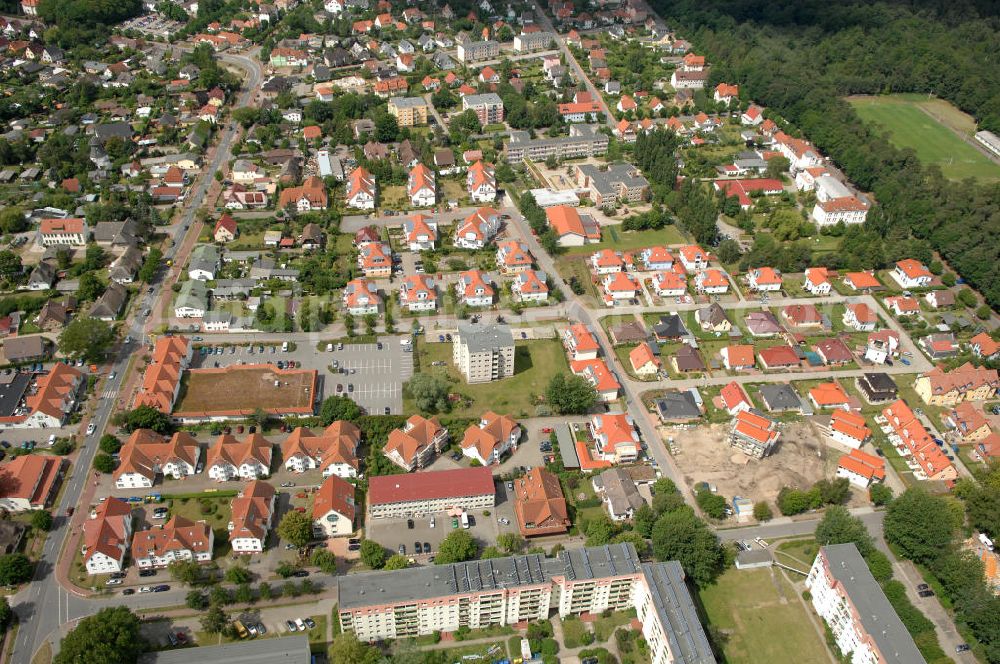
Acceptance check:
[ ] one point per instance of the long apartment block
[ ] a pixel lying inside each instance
(503, 591)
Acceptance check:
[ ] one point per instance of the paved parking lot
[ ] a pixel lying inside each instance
(373, 379)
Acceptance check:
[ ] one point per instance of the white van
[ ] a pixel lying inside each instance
(465, 520)
(284, 346)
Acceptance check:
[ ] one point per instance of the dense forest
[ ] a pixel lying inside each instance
(801, 58)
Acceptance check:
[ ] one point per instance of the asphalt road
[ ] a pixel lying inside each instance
(34, 604)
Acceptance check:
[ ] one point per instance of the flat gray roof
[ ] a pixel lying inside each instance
(877, 616)
(287, 650)
(402, 102)
(479, 338)
(681, 625)
(567, 446)
(420, 583)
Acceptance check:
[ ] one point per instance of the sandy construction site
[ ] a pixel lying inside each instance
(801, 458)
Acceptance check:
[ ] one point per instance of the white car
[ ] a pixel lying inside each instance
(146, 589)
(760, 541)
(301, 625)
(113, 582)
(91, 428)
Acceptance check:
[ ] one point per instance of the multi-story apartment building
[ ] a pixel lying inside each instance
(417, 443)
(475, 51)
(429, 492)
(584, 140)
(617, 182)
(483, 352)
(533, 41)
(409, 111)
(939, 387)
(850, 601)
(503, 591)
(488, 107)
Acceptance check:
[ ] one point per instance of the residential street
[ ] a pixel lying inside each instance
(33, 604)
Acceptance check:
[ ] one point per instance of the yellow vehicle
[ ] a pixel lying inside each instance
(169, 263)
(241, 629)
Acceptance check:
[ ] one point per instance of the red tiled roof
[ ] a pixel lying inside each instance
(434, 485)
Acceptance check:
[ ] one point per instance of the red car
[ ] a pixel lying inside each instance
(546, 429)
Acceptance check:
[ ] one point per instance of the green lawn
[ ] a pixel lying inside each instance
(762, 618)
(615, 238)
(535, 362)
(911, 124)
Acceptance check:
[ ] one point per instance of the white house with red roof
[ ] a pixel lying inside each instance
(481, 182)
(334, 508)
(656, 259)
(644, 361)
(580, 342)
(861, 469)
(860, 317)
(601, 378)
(984, 346)
(693, 258)
(530, 286)
(420, 232)
(375, 259)
(106, 537)
(616, 438)
(491, 439)
(764, 279)
(607, 261)
(474, 289)
(361, 189)
(848, 428)
(513, 257)
(361, 298)
(800, 153)
(902, 305)
(619, 287)
(178, 539)
(817, 281)
(668, 284)
(417, 293)
(753, 116)
(421, 186)
(726, 93)
(711, 281)
(881, 346)
(734, 398)
(805, 180)
(910, 273)
(226, 229)
(478, 229)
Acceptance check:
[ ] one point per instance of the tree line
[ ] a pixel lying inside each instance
(940, 48)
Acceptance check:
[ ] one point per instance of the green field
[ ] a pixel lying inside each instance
(762, 618)
(535, 362)
(933, 129)
(619, 240)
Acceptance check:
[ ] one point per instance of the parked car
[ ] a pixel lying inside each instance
(291, 626)
(128, 591)
(113, 582)
(310, 623)
(146, 589)
(161, 588)
(300, 573)
(926, 593)
(147, 572)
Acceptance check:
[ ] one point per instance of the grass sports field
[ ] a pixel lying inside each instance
(239, 390)
(933, 129)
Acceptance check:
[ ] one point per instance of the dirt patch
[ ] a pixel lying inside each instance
(239, 389)
(800, 459)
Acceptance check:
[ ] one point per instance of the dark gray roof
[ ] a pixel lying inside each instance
(880, 382)
(670, 327)
(713, 315)
(286, 650)
(12, 390)
(688, 359)
(416, 583)
(678, 406)
(113, 130)
(111, 302)
(22, 347)
(871, 607)
(780, 397)
(619, 490)
(678, 615)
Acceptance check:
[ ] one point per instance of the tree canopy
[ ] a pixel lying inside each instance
(111, 636)
(296, 528)
(570, 394)
(920, 524)
(338, 407)
(681, 536)
(86, 338)
(458, 546)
